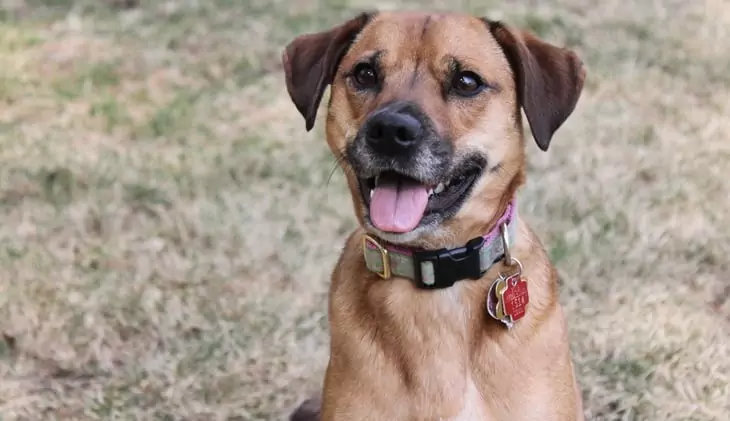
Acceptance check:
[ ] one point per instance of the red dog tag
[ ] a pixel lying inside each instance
(515, 298)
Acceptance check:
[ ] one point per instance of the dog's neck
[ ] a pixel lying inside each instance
(442, 268)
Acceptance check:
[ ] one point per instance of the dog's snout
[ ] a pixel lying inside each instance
(393, 132)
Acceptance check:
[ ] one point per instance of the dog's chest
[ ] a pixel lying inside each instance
(473, 408)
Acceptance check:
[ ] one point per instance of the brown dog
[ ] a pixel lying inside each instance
(443, 305)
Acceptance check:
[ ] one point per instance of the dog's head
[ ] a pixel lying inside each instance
(424, 115)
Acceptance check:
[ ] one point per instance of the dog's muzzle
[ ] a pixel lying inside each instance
(406, 169)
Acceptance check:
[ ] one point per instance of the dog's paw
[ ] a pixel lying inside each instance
(308, 410)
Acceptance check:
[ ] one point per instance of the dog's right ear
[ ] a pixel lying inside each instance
(311, 61)
(549, 79)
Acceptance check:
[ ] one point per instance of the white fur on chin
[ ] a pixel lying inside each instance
(433, 231)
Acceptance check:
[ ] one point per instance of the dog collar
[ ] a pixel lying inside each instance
(442, 268)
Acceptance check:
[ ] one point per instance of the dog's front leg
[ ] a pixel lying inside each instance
(308, 410)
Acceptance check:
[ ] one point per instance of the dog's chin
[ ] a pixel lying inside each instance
(422, 234)
(445, 199)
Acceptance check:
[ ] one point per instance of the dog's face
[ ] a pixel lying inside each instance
(424, 115)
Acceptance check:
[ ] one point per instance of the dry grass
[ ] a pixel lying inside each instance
(169, 228)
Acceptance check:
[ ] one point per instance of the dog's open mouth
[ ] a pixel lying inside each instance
(399, 203)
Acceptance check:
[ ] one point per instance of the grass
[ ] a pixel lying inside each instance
(169, 227)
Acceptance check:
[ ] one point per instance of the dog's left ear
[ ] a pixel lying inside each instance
(310, 63)
(549, 79)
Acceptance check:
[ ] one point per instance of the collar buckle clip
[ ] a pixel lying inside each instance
(442, 268)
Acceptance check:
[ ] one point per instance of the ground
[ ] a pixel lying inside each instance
(168, 226)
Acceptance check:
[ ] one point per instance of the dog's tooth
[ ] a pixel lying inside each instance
(439, 188)
(430, 192)
(371, 193)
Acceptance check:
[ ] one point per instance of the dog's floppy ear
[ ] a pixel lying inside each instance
(311, 60)
(549, 79)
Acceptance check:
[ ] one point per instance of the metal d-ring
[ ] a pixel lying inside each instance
(506, 244)
(509, 260)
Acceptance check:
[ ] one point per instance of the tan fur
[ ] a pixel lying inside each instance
(400, 353)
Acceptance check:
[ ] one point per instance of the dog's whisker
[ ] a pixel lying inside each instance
(340, 157)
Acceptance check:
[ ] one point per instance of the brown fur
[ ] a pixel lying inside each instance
(400, 353)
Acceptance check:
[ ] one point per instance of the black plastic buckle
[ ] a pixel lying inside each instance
(450, 265)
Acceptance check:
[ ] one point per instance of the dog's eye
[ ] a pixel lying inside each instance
(467, 84)
(365, 76)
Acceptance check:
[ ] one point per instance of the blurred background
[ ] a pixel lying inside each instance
(168, 226)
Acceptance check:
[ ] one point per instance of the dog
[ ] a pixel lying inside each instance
(443, 304)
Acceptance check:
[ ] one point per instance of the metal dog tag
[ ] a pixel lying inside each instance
(508, 298)
(495, 306)
(515, 297)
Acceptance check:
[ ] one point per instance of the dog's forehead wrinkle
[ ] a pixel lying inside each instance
(420, 55)
(426, 22)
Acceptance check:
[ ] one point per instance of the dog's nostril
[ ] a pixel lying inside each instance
(402, 134)
(407, 131)
(375, 132)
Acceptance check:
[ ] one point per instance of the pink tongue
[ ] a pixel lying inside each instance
(397, 205)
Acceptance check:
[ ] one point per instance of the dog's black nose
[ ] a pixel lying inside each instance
(392, 132)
